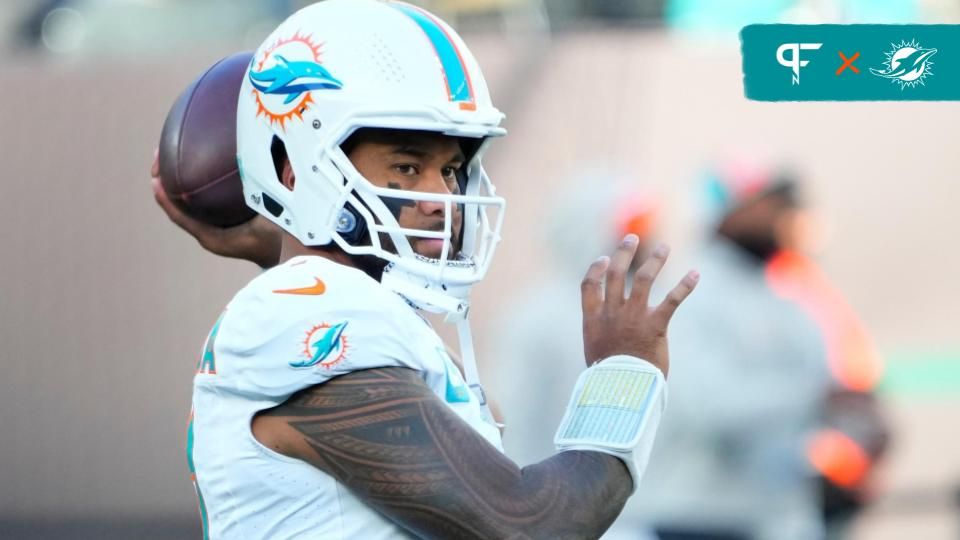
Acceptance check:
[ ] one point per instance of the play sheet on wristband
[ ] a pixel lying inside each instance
(611, 407)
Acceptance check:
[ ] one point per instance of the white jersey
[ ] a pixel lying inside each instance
(295, 326)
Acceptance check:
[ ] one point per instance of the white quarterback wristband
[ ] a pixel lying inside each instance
(615, 409)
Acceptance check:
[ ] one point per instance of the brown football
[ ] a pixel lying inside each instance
(198, 146)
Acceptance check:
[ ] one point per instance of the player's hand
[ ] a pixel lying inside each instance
(615, 324)
(257, 240)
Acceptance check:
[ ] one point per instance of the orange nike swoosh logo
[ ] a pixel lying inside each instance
(317, 289)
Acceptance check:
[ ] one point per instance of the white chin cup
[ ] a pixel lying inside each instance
(428, 294)
(615, 409)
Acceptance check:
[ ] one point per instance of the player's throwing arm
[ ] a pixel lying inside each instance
(389, 439)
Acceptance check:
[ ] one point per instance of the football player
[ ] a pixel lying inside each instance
(324, 405)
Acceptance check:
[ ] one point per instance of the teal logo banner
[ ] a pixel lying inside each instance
(857, 62)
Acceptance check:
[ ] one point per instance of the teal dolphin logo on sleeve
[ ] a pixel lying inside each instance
(322, 342)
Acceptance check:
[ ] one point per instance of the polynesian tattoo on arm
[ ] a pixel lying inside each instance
(384, 435)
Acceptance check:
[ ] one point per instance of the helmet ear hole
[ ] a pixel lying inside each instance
(272, 206)
(278, 151)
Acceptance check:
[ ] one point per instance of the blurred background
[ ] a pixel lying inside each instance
(105, 304)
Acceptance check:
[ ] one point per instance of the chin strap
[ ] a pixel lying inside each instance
(457, 307)
(470, 372)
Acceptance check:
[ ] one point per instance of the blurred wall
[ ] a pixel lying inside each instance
(105, 304)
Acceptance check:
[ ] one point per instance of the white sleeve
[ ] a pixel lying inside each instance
(270, 345)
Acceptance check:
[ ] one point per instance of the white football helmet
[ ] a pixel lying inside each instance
(341, 65)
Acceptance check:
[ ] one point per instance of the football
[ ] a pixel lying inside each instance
(198, 146)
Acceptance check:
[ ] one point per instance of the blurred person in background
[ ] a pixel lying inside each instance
(855, 435)
(748, 388)
(540, 340)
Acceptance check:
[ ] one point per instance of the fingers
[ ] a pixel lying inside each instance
(155, 168)
(159, 194)
(680, 292)
(257, 240)
(165, 203)
(205, 234)
(591, 288)
(619, 264)
(647, 273)
(176, 215)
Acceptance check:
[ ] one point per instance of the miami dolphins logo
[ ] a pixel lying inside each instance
(324, 346)
(907, 64)
(285, 76)
(282, 76)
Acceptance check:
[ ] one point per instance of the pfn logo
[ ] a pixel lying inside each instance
(794, 62)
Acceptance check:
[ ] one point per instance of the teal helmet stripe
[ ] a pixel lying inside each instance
(459, 86)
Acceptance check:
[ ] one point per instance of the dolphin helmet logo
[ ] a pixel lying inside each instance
(322, 341)
(907, 64)
(292, 79)
(285, 75)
